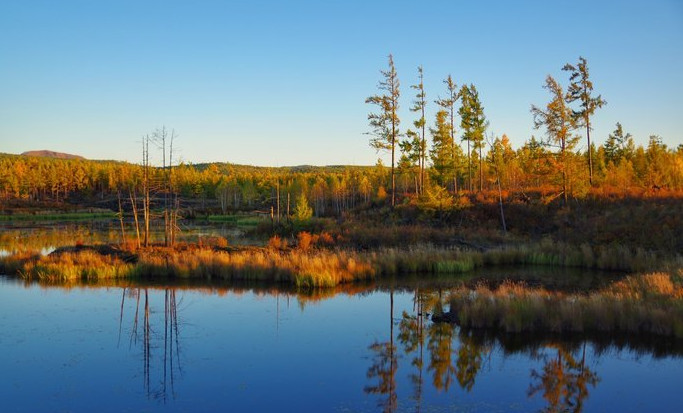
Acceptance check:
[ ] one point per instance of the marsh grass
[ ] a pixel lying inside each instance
(311, 265)
(311, 269)
(83, 265)
(303, 269)
(641, 304)
(444, 260)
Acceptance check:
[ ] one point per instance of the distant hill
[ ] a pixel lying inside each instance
(51, 154)
(230, 167)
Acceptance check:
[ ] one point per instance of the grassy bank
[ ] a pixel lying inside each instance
(302, 269)
(319, 267)
(643, 304)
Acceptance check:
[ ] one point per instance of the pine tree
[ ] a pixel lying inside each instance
(302, 210)
(385, 122)
(474, 124)
(448, 105)
(580, 89)
(618, 146)
(419, 105)
(441, 153)
(559, 123)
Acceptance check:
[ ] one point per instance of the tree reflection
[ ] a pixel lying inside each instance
(170, 357)
(470, 356)
(384, 366)
(563, 381)
(412, 336)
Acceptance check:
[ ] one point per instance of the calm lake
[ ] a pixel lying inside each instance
(146, 347)
(124, 346)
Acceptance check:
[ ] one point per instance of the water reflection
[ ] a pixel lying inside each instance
(146, 336)
(356, 348)
(563, 381)
(384, 366)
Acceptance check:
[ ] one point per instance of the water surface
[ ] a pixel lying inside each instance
(156, 347)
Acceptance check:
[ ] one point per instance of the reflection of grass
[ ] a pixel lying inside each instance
(650, 303)
(67, 216)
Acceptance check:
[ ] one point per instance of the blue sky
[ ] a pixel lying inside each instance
(284, 82)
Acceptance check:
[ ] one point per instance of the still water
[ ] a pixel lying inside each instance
(145, 347)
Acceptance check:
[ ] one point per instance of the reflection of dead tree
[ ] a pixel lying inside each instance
(170, 340)
(171, 352)
(384, 366)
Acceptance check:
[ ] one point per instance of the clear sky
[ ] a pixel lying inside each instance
(284, 82)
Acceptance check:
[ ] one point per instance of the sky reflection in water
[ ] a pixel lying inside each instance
(208, 349)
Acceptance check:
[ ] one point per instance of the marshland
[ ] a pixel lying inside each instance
(460, 207)
(434, 302)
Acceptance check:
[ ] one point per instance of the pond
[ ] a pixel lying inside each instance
(125, 346)
(45, 236)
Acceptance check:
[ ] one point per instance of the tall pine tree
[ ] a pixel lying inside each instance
(385, 121)
(419, 105)
(448, 105)
(580, 89)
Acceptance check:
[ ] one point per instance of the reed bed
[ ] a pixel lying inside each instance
(84, 265)
(643, 304)
(310, 269)
(318, 268)
(315, 266)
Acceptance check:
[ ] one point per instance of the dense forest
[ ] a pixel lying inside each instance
(626, 170)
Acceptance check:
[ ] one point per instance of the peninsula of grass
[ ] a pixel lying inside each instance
(650, 304)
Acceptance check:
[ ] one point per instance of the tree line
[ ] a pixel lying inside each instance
(487, 161)
(447, 161)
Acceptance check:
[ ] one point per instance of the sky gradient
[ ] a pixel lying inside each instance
(284, 83)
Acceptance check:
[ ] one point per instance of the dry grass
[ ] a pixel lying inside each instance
(304, 269)
(642, 304)
(86, 264)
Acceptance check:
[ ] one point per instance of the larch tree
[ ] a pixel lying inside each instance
(411, 158)
(581, 89)
(385, 121)
(558, 120)
(419, 105)
(441, 153)
(474, 124)
(618, 145)
(448, 105)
